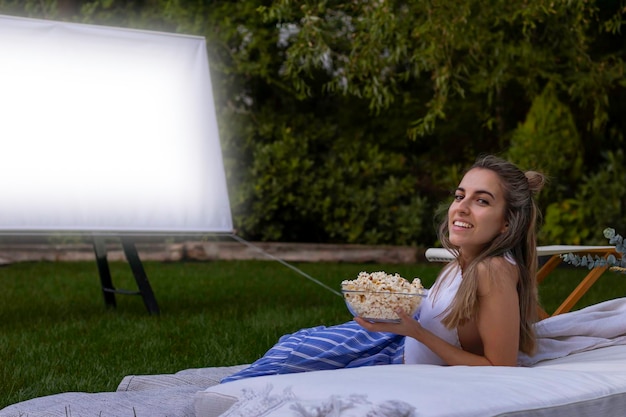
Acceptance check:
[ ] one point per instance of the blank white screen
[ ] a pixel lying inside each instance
(107, 129)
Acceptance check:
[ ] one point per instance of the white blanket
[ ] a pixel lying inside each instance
(593, 327)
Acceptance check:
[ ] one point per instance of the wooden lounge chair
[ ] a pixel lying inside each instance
(554, 252)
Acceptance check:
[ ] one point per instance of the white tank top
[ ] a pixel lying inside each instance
(430, 316)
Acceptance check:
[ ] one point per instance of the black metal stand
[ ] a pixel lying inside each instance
(108, 290)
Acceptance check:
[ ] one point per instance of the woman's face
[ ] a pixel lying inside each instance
(476, 216)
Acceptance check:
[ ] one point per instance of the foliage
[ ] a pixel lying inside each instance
(548, 141)
(338, 191)
(564, 223)
(474, 67)
(457, 48)
(613, 263)
(496, 58)
(600, 200)
(603, 192)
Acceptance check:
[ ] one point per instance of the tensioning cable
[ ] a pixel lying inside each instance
(269, 255)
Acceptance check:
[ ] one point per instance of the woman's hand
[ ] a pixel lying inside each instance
(407, 326)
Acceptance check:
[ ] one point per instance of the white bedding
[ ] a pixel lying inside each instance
(591, 383)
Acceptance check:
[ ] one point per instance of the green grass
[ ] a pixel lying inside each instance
(56, 334)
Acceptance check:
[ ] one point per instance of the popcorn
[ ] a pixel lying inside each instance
(379, 294)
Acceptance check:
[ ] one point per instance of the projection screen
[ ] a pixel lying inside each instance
(107, 130)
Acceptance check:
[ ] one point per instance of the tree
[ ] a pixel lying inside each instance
(548, 141)
(470, 59)
(457, 48)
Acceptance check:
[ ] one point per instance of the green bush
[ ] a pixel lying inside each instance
(565, 224)
(600, 202)
(548, 141)
(317, 185)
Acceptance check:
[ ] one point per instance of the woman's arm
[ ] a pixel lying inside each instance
(493, 336)
(498, 319)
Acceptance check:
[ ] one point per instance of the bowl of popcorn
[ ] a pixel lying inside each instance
(375, 296)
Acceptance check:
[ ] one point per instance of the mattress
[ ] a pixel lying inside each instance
(590, 383)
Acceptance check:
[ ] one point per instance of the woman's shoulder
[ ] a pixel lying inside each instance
(505, 261)
(496, 269)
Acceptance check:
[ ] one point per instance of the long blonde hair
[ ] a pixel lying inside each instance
(518, 242)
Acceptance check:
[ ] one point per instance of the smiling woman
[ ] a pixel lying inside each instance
(491, 227)
(480, 310)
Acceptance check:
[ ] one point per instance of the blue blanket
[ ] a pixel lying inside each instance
(345, 345)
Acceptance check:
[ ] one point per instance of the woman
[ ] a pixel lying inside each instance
(481, 308)
(487, 298)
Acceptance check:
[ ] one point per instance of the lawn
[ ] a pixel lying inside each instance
(57, 335)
